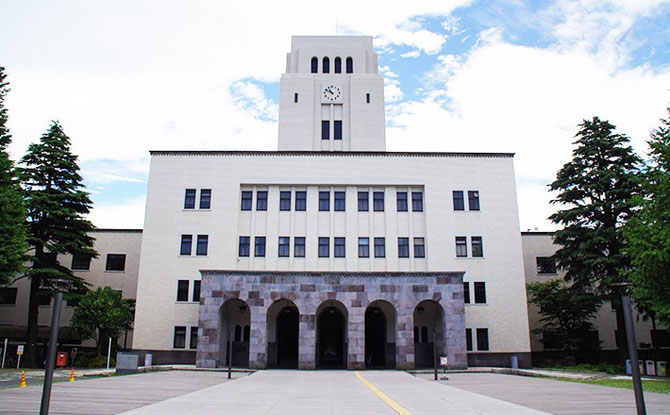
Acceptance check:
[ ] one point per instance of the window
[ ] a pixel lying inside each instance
(8, 295)
(480, 293)
(72, 298)
(295, 98)
(196, 292)
(477, 250)
(482, 339)
(468, 340)
(367, 98)
(337, 130)
(186, 242)
(403, 247)
(340, 201)
(116, 262)
(201, 248)
(466, 292)
(81, 262)
(458, 200)
(380, 248)
(324, 201)
(284, 248)
(545, 265)
(246, 200)
(378, 200)
(363, 247)
(325, 130)
(182, 290)
(259, 248)
(194, 338)
(338, 65)
(340, 249)
(473, 200)
(401, 201)
(417, 201)
(315, 65)
(262, 200)
(363, 201)
(326, 65)
(299, 247)
(461, 246)
(43, 297)
(324, 246)
(419, 248)
(350, 65)
(285, 200)
(179, 337)
(205, 198)
(301, 201)
(244, 246)
(659, 338)
(189, 199)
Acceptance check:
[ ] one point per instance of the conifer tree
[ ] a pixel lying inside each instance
(56, 206)
(12, 213)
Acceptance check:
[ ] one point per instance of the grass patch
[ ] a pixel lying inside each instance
(600, 367)
(658, 386)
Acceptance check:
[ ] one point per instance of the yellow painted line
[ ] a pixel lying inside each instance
(390, 402)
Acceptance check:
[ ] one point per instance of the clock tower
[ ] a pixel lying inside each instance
(331, 97)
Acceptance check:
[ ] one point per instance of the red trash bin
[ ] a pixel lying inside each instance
(61, 359)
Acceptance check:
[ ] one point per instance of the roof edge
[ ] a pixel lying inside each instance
(325, 153)
(336, 273)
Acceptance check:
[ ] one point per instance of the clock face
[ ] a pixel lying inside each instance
(331, 93)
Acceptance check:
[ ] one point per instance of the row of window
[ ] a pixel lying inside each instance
(114, 262)
(180, 337)
(8, 297)
(339, 201)
(183, 290)
(325, 67)
(186, 247)
(459, 202)
(482, 340)
(205, 199)
(462, 246)
(325, 130)
(480, 292)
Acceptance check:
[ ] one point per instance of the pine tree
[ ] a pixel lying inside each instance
(56, 207)
(597, 188)
(12, 213)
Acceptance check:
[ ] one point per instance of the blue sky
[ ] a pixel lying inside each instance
(127, 77)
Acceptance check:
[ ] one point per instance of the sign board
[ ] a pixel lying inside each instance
(19, 349)
(444, 360)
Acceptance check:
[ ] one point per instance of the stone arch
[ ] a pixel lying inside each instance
(331, 334)
(234, 313)
(429, 325)
(380, 335)
(283, 333)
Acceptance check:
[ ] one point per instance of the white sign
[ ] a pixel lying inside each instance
(444, 360)
(19, 350)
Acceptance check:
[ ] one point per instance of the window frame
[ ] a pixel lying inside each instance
(419, 248)
(364, 203)
(261, 200)
(8, 293)
(380, 247)
(403, 247)
(459, 202)
(325, 129)
(247, 198)
(241, 245)
(466, 292)
(378, 202)
(342, 205)
(339, 247)
(417, 202)
(324, 247)
(364, 248)
(473, 200)
(177, 332)
(202, 245)
(260, 247)
(186, 240)
(182, 291)
(108, 267)
(284, 200)
(461, 247)
(299, 241)
(76, 258)
(195, 296)
(401, 202)
(324, 202)
(284, 249)
(193, 345)
(480, 292)
(483, 343)
(337, 129)
(201, 203)
(189, 198)
(300, 196)
(477, 246)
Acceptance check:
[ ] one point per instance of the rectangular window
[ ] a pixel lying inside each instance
(295, 97)
(301, 201)
(244, 246)
(201, 248)
(461, 246)
(466, 292)
(205, 198)
(419, 248)
(284, 246)
(285, 200)
(324, 247)
(72, 298)
(480, 293)
(80, 262)
(340, 201)
(378, 200)
(468, 340)
(186, 242)
(194, 338)
(196, 292)
(473, 200)
(189, 199)
(337, 130)
(367, 98)
(182, 290)
(115, 262)
(262, 200)
(363, 201)
(325, 130)
(401, 201)
(545, 265)
(340, 249)
(259, 248)
(363, 247)
(482, 339)
(458, 200)
(43, 297)
(246, 200)
(417, 201)
(660, 338)
(299, 247)
(324, 201)
(179, 337)
(477, 249)
(8, 295)
(403, 247)
(380, 248)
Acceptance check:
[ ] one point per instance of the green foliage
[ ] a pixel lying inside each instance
(100, 361)
(103, 313)
(12, 213)
(566, 312)
(648, 231)
(600, 367)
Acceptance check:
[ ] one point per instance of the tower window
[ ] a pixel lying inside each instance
(338, 65)
(367, 98)
(315, 65)
(295, 97)
(350, 65)
(337, 130)
(325, 130)
(326, 65)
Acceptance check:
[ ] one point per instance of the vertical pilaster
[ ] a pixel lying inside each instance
(356, 338)
(405, 338)
(258, 337)
(307, 342)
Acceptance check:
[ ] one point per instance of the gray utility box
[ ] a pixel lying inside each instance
(127, 362)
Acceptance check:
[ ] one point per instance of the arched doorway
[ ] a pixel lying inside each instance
(234, 329)
(380, 335)
(331, 341)
(428, 332)
(283, 334)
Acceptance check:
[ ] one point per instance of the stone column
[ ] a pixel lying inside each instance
(307, 342)
(209, 317)
(405, 338)
(356, 338)
(258, 335)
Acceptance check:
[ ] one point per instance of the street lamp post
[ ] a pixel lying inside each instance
(51, 358)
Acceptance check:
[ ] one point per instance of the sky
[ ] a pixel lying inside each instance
(126, 77)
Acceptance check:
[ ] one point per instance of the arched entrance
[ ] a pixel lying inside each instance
(331, 341)
(428, 332)
(380, 335)
(234, 330)
(283, 334)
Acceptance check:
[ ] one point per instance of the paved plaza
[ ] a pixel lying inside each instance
(333, 392)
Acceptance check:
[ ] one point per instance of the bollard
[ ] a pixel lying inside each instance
(23, 380)
(72, 375)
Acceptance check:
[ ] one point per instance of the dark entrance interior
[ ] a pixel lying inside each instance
(330, 346)
(287, 337)
(375, 338)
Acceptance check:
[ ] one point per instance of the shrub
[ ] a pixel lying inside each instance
(100, 361)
